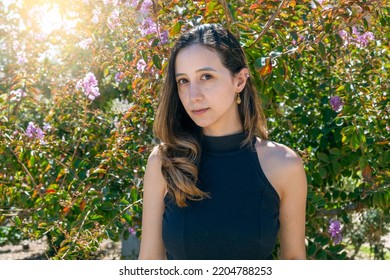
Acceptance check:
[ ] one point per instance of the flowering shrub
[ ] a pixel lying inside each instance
(78, 94)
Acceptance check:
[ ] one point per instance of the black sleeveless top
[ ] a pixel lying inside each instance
(239, 221)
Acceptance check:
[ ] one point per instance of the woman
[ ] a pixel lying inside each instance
(216, 188)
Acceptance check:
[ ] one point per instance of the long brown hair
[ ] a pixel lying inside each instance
(180, 137)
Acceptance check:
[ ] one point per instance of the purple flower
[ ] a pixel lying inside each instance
(46, 127)
(89, 86)
(33, 131)
(119, 77)
(365, 38)
(148, 26)
(141, 65)
(336, 103)
(132, 231)
(113, 21)
(134, 3)
(343, 34)
(84, 44)
(145, 6)
(355, 31)
(22, 57)
(164, 37)
(16, 95)
(96, 13)
(335, 231)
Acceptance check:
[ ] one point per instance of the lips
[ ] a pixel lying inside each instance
(199, 112)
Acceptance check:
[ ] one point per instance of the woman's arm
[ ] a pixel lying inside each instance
(284, 169)
(152, 246)
(293, 209)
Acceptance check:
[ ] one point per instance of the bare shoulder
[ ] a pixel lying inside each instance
(155, 155)
(153, 169)
(280, 164)
(278, 153)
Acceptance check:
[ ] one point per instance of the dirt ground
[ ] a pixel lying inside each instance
(35, 250)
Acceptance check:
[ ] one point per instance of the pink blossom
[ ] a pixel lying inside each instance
(95, 15)
(364, 39)
(119, 77)
(22, 57)
(46, 127)
(335, 231)
(33, 131)
(132, 231)
(113, 21)
(89, 86)
(164, 37)
(84, 44)
(356, 38)
(141, 65)
(16, 95)
(336, 103)
(148, 26)
(343, 34)
(145, 6)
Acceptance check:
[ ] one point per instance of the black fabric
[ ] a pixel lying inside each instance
(239, 221)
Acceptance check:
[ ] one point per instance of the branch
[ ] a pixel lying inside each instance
(270, 21)
(347, 208)
(228, 13)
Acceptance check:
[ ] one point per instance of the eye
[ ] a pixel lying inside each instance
(182, 81)
(206, 77)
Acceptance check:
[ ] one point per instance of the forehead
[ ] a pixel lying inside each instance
(197, 57)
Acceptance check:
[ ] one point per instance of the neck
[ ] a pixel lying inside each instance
(222, 132)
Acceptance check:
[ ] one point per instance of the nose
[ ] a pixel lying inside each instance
(195, 92)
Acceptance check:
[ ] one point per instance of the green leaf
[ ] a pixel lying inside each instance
(312, 249)
(328, 27)
(294, 35)
(112, 234)
(96, 217)
(339, 39)
(323, 157)
(128, 218)
(157, 61)
(322, 49)
(99, 171)
(175, 29)
(17, 221)
(323, 172)
(335, 151)
(311, 210)
(336, 167)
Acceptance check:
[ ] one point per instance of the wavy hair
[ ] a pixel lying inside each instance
(180, 137)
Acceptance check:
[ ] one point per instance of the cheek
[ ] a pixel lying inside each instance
(183, 99)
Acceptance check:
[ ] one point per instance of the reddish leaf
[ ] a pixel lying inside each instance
(367, 173)
(82, 205)
(66, 210)
(266, 69)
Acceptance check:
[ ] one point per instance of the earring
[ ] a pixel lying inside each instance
(238, 99)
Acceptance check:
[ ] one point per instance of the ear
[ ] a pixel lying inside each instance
(240, 79)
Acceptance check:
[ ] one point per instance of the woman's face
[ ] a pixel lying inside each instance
(208, 91)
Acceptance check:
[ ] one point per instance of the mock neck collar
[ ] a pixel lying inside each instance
(228, 143)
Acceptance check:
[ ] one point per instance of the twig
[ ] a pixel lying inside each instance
(24, 167)
(334, 212)
(77, 235)
(228, 13)
(120, 214)
(268, 24)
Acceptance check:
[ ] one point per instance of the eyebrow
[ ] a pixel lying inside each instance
(199, 70)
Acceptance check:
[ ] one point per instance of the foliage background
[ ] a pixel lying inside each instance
(75, 174)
